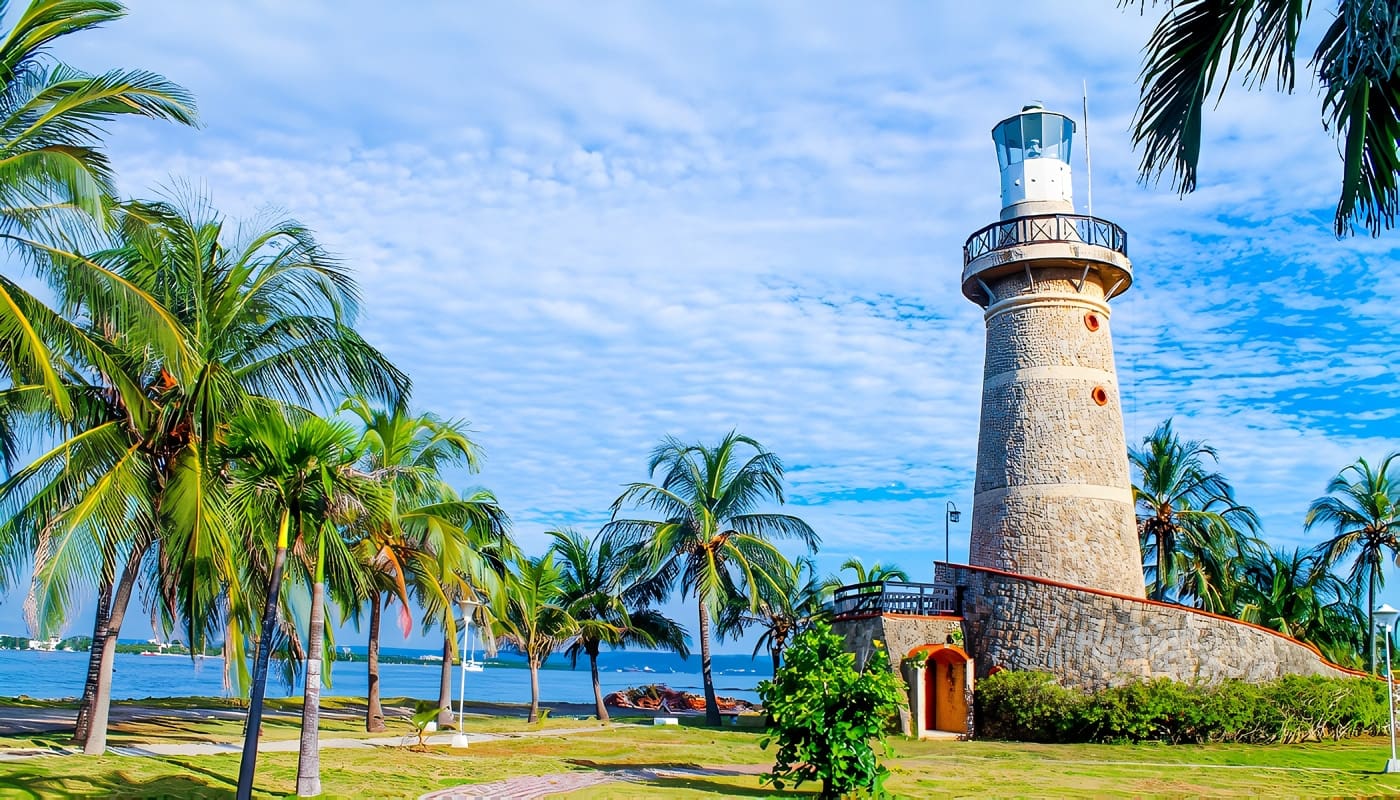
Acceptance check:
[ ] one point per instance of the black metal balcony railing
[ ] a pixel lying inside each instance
(927, 599)
(1045, 228)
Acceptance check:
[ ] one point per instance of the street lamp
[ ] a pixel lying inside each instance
(459, 739)
(952, 516)
(1385, 617)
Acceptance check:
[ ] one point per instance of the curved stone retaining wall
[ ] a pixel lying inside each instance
(1091, 638)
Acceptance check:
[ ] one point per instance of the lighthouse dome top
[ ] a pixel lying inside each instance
(1033, 152)
(1033, 133)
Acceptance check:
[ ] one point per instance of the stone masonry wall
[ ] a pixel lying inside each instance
(1092, 640)
(901, 634)
(1053, 496)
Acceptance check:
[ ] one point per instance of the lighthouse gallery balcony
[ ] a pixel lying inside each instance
(1045, 228)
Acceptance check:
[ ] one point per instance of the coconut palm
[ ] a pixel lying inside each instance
(875, 573)
(610, 598)
(56, 185)
(299, 476)
(1186, 512)
(785, 608)
(529, 613)
(1289, 592)
(265, 319)
(712, 538)
(432, 537)
(1361, 509)
(467, 547)
(1200, 44)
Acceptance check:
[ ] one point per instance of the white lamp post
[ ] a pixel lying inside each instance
(1385, 617)
(459, 739)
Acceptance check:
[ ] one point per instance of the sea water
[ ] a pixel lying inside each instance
(506, 679)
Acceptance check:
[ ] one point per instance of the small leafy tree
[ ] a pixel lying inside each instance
(826, 714)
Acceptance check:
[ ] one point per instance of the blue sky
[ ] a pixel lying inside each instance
(586, 226)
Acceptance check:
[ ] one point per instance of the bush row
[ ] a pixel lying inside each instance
(1031, 706)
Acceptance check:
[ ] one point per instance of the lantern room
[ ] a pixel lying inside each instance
(1033, 151)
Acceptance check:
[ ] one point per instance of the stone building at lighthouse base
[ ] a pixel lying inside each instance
(943, 637)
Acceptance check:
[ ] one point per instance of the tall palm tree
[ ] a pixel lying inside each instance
(1185, 510)
(529, 612)
(785, 608)
(466, 551)
(1360, 507)
(712, 538)
(265, 319)
(56, 184)
(605, 592)
(432, 537)
(1199, 45)
(298, 475)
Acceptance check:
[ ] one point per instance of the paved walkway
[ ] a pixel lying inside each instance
(527, 788)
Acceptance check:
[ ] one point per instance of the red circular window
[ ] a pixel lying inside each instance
(1091, 321)
(1100, 396)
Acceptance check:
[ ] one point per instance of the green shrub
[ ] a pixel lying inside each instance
(1031, 706)
(1024, 706)
(825, 714)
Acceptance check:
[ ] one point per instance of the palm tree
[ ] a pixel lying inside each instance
(603, 590)
(529, 613)
(1199, 44)
(265, 320)
(875, 573)
(56, 184)
(712, 538)
(1297, 595)
(785, 608)
(467, 549)
(1363, 514)
(1186, 511)
(432, 537)
(298, 473)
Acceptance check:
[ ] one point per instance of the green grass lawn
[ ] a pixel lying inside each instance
(920, 769)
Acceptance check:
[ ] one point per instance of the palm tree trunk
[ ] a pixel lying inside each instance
(96, 742)
(597, 684)
(777, 654)
(711, 702)
(1371, 620)
(253, 726)
(374, 714)
(94, 670)
(444, 717)
(534, 691)
(309, 757)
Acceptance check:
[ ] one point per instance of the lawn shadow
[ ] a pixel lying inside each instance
(711, 781)
(115, 785)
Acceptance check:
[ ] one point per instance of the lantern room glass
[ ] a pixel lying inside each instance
(1034, 134)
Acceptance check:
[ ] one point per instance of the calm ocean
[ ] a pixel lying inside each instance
(505, 679)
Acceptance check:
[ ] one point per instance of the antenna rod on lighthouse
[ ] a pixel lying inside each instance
(1088, 162)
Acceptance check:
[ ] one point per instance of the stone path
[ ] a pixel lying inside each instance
(530, 787)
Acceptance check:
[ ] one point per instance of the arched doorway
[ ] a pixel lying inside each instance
(944, 688)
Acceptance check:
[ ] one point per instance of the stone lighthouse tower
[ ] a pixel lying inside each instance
(1053, 497)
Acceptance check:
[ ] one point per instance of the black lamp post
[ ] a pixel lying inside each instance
(952, 516)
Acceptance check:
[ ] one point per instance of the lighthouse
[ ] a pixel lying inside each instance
(1052, 497)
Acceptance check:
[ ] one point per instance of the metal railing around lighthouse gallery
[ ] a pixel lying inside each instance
(896, 597)
(1045, 228)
